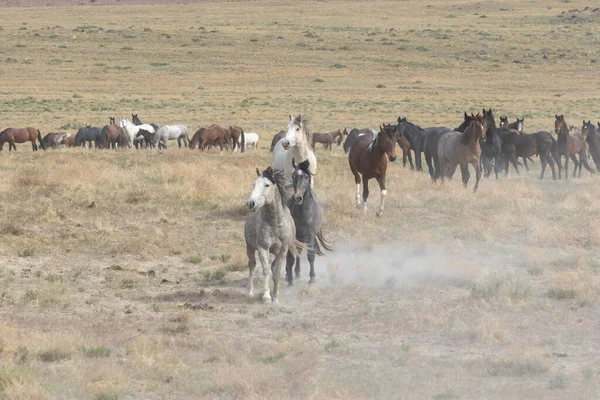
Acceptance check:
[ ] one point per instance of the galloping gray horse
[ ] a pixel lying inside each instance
(308, 214)
(269, 229)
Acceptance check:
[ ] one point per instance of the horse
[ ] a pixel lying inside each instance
(278, 136)
(416, 136)
(268, 229)
(294, 146)
(212, 134)
(88, 135)
(21, 135)
(55, 139)
(69, 140)
(110, 136)
(354, 134)
(325, 138)
(592, 137)
(517, 125)
(367, 158)
(136, 121)
(463, 148)
(430, 150)
(491, 146)
(339, 136)
(527, 145)
(171, 132)
(237, 138)
(307, 214)
(132, 130)
(251, 139)
(569, 146)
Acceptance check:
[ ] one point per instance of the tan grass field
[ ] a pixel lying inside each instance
(122, 273)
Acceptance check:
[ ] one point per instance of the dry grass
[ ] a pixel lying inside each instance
(122, 273)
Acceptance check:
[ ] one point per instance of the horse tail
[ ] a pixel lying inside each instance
(324, 243)
(297, 247)
(243, 141)
(39, 136)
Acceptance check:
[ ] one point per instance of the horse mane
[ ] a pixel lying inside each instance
(302, 120)
(373, 145)
(470, 131)
(276, 176)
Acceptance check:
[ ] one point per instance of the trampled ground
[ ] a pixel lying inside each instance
(122, 273)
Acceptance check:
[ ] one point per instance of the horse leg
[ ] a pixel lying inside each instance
(525, 163)
(263, 257)
(381, 182)
(251, 252)
(412, 167)
(466, 175)
(514, 162)
(365, 182)
(276, 272)
(574, 158)
(544, 163)
(404, 158)
(288, 268)
(560, 167)
(550, 160)
(311, 260)
(430, 166)
(357, 182)
(33, 145)
(583, 159)
(477, 175)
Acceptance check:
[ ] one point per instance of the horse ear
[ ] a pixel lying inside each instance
(257, 172)
(291, 118)
(466, 116)
(381, 129)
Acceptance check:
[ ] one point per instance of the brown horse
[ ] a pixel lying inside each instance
(212, 134)
(69, 141)
(404, 144)
(569, 146)
(21, 135)
(456, 148)
(326, 138)
(238, 138)
(367, 157)
(110, 136)
(280, 135)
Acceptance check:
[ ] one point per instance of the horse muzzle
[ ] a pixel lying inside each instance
(392, 158)
(251, 205)
(285, 144)
(298, 199)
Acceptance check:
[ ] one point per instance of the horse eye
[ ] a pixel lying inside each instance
(267, 185)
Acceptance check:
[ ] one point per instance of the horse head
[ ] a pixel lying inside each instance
(266, 187)
(301, 181)
(503, 122)
(479, 124)
(520, 124)
(111, 120)
(386, 140)
(559, 124)
(297, 133)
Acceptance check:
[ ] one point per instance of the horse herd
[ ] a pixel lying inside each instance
(287, 216)
(127, 134)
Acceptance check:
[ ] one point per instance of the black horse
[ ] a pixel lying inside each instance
(592, 137)
(416, 137)
(308, 214)
(88, 135)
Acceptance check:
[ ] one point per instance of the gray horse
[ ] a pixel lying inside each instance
(269, 229)
(308, 214)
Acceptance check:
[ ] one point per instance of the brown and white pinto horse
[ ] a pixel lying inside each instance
(368, 157)
(21, 135)
(569, 146)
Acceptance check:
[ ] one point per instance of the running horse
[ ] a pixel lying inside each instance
(294, 147)
(569, 146)
(368, 159)
(21, 135)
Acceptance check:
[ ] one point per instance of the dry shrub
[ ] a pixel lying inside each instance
(569, 285)
(518, 362)
(478, 328)
(503, 287)
(153, 359)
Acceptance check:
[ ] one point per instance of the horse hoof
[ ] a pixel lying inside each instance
(266, 299)
(312, 280)
(379, 214)
(275, 302)
(290, 283)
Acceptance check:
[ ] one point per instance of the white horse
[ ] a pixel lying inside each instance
(132, 130)
(171, 132)
(294, 146)
(269, 228)
(251, 139)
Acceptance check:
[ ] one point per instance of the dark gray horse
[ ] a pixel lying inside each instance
(416, 137)
(88, 134)
(354, 134)
(308, 214)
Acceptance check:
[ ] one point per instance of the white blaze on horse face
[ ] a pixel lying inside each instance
(262, 194)
(520, 126)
